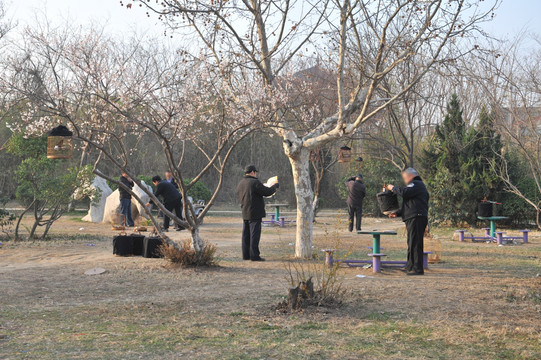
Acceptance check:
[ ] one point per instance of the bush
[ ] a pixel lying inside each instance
(199, 191)
(187, 257)
(6, 220)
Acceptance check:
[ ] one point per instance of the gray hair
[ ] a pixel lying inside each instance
(411, 171)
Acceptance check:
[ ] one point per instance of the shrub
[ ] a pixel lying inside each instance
(187, 257)
(199, 191)
(6, 220)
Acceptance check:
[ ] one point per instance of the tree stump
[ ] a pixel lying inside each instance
(293, 298)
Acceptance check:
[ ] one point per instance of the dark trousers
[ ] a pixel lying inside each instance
(251, 233)
(174, 207)
(125, 209)
(416, 232)
(355, 213)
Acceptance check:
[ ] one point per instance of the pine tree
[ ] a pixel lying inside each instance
(458, 164)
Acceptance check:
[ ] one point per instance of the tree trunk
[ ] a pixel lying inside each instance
(197, 242)
(300, 165)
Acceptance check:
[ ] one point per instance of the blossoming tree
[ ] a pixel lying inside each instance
(363, 40)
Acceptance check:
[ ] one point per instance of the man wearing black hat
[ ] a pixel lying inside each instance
(357, 192)
(251, 192)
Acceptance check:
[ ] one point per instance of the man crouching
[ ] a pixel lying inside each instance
(414, 213)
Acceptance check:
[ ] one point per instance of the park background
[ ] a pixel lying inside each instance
(470, 127)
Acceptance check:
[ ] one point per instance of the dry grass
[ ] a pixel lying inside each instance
(188, 257)
(481, 302)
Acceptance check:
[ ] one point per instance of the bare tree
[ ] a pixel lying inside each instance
(366, 41)
(510, 78)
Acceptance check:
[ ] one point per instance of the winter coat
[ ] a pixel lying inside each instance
(168, 192)
(251, 192)
(414, 199)
(123, 193)
(357, 192)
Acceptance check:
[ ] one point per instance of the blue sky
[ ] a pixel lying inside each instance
(512, 17)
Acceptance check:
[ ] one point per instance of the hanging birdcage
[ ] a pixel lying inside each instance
(344, 154)
(59, 143)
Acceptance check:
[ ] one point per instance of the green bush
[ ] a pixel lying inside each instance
(199, 191)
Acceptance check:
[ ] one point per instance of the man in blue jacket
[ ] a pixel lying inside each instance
(251, 192)
(414, 213)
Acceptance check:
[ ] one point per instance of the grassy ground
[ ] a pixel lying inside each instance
(481, 302)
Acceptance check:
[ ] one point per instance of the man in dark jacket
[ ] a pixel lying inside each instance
(357, 192)
(125, 199)
(251, 192)
(171, 199)
(414, 213)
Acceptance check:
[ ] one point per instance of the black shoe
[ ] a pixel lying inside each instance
(245, 259)
(179, 229)
(415, 273)
(258, 259)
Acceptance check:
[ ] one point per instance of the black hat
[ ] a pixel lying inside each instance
(359, 176)
(248, 169)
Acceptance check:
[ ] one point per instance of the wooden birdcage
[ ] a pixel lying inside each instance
(344, 154)
(59, 143)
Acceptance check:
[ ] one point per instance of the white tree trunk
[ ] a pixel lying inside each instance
(300, 165)
(197, 242)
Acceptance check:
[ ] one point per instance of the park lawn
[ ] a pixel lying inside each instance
(482, 302)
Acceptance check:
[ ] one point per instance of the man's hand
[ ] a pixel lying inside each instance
(392, 215)
(390, 187)
(147, 204)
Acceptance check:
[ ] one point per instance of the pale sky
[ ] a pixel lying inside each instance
(513, 16)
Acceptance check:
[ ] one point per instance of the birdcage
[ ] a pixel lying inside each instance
(59, 143)
(388, 202)
(344, 154)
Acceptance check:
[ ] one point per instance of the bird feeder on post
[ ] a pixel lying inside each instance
(344, 154)
(59, 143)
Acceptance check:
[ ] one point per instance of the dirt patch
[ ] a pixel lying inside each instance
(481, 302)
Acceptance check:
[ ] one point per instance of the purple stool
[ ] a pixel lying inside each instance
(329, 260)
(425, 259)
(376, 262)
(461, 235)
(525, 236)
(499, 237)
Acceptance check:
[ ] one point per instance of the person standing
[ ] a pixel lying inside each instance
(169, 178)
(251, 192)
(414, 212)
(125, 199)
(357, 192)
(171, 199)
